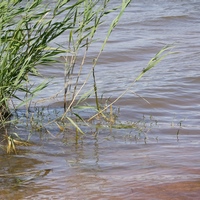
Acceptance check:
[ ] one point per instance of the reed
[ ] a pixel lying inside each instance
(27, 34)
(27, 39)
(88, 18)
(166, 50)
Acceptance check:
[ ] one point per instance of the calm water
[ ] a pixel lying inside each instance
(153, 163)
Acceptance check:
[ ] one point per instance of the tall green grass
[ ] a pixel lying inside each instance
(27, 32)
(93, 15)
(89, 16)
(25, 35)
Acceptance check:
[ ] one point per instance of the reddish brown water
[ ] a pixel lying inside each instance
(161, 161)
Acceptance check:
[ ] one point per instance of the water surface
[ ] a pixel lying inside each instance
(160, 161)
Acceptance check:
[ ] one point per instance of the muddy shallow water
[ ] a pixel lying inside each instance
(159, 161)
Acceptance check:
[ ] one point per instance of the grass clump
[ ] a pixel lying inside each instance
(26, 32)
(27, 36)
(27, 39)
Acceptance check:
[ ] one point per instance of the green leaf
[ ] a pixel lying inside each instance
(75, 125)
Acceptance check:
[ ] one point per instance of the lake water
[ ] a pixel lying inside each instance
(158, 161)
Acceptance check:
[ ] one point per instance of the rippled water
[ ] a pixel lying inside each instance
(161, 161)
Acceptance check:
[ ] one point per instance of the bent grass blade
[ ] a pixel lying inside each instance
(152, 63)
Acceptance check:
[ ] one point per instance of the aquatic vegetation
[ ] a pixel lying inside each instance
(28, 33)
(24, 41)
(25, 177)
